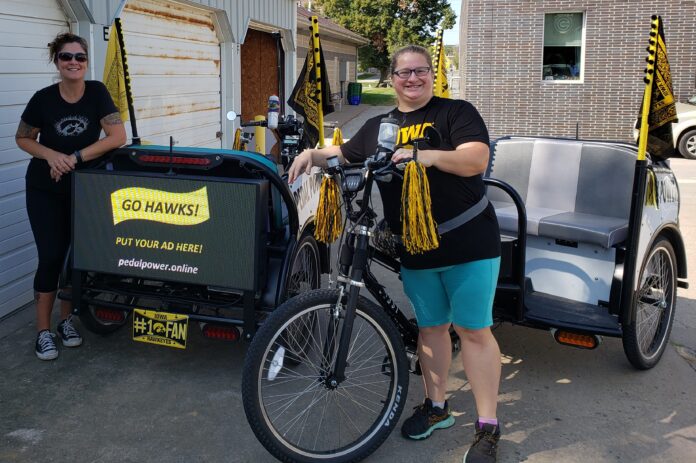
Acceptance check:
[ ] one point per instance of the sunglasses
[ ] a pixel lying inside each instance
(79, 57)
(406, 73)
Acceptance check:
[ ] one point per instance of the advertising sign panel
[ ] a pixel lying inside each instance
(208, 232)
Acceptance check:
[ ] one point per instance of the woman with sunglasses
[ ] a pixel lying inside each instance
(61, 129)
(454, 284)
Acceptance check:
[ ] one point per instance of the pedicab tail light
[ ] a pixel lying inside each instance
(226, 333)
(179, 160)
(583, 341)
(110, 315)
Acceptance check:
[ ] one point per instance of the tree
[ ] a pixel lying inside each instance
(389, 25)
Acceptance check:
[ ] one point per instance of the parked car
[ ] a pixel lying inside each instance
(684, 131)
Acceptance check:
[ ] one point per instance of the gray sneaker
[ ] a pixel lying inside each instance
(485, 446)
(45, 345)
(68, 334)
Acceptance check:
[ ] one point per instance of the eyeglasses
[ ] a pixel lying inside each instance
(406, 73)
(79, 57)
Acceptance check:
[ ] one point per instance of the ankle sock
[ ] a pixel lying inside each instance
(493, 421)
(439, 405)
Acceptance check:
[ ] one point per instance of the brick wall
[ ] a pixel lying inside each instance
(501, 65)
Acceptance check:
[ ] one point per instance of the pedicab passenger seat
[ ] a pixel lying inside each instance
(573, 190)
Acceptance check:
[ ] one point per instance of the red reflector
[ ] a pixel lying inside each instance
(228, 333)
(158, 159)
(110, 315)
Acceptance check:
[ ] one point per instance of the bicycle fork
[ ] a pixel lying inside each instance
(355, 258)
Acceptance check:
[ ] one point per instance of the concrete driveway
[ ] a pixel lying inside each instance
(113, 400)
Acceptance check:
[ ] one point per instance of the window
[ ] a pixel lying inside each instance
(562, 46)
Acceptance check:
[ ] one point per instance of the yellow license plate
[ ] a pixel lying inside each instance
(161, 328)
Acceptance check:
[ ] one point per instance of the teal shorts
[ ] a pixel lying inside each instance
(461, 294)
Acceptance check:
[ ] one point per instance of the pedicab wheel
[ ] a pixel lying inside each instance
(304, 270)
(645, 338)
(298, 410)
(304, 276)
(103, 320)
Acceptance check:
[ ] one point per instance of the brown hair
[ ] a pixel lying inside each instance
(60, 41)
(409, 49)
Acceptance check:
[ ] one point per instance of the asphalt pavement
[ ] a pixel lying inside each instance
(114, 400)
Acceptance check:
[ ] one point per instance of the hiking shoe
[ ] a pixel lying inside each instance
(68, 334)
(485, 446)
(45, 345)
(425, 420)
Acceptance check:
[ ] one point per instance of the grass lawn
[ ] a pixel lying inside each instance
(376, 96)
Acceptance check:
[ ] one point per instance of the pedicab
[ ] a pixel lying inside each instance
(589, 249)
(172, 234)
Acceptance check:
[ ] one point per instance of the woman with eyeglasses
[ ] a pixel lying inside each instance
(61, 129)
(454, 284)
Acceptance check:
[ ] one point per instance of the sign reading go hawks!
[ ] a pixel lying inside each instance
(160, 206)
(158, 227)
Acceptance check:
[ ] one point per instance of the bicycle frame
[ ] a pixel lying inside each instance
(354, 272)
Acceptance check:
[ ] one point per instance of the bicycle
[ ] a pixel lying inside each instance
(326, 376)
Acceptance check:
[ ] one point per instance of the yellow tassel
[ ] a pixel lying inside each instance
(419, 230)
(329, 222)
(337, 137)
(651, 190)
(237, 143)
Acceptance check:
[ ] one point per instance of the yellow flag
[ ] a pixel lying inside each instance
(114, 74)
(441, 88)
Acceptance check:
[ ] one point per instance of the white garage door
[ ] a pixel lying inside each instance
(174, 64)
(26, 27)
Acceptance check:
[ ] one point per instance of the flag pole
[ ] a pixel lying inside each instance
(649, 76)
(126, 76)
(639, 186)
(314, 20)
(438, 44)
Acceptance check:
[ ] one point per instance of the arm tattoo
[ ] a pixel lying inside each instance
(112, 119)
(26, 131)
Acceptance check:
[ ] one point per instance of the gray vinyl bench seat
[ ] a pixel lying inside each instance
(577, 191)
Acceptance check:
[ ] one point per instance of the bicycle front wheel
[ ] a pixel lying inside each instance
(298, 410)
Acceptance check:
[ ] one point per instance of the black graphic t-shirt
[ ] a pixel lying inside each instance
(458, 122)
(65, 127)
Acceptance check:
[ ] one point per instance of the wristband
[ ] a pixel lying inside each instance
(78, 156)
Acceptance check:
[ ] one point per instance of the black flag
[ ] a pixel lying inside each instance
(304, 98)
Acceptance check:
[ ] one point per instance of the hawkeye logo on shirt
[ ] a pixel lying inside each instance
(71, 126)
(411, 132)
(160, 206)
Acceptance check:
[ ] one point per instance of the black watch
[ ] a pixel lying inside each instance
(78, 156)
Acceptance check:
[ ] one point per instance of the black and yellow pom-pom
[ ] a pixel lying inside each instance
(419, 232)
(329, 223)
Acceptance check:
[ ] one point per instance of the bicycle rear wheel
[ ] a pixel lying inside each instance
(294, 406)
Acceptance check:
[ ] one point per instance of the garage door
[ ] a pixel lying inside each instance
(174, 64)
(26, 27)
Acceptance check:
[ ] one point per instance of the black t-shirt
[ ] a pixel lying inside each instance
(458, 122)
(65, 127)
